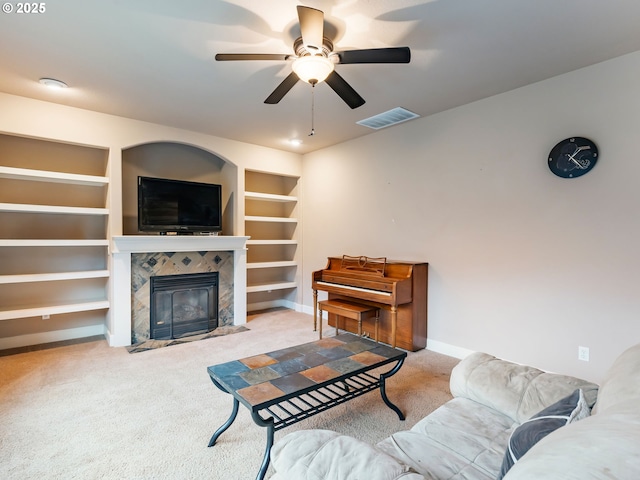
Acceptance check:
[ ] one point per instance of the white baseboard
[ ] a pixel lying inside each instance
(254, 307)
(306, 309)
(49, 337)
(447, 349)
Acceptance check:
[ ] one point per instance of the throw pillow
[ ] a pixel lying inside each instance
(563, 412)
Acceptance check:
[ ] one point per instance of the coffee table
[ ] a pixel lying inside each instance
(285, 386)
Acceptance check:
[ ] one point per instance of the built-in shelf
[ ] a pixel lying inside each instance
(286, 263)
(55, 206)
(53, 310)
(52, 177)
(272, 242)
(269, 197)
(255, 218)
(53, 243)
(53, 277)
(271, 222)
(54, 209)
(267, 287)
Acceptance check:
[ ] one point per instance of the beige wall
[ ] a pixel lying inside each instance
(523, 264)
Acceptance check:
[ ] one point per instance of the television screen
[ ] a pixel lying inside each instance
(178, 206)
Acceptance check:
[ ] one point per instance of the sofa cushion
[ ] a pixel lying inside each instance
(567, 410)
(461, 439)
(323, 454)
(518, 391)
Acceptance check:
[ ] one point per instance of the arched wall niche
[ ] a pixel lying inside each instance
(179, 161)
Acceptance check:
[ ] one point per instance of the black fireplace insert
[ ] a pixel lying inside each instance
(183, 305)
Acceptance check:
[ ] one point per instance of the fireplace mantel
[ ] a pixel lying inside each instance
(176, 243)
(119, 321)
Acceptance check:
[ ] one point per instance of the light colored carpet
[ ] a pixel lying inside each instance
(88, 411)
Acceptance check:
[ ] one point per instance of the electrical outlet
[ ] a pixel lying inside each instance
(583, 354)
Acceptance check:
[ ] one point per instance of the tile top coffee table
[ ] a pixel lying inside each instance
(285, 386)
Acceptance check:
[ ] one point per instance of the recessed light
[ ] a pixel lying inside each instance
(53, 83)
(295, 142)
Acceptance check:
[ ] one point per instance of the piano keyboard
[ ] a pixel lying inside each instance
(357, 289)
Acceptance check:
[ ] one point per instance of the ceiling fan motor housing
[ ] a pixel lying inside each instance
(301, 50)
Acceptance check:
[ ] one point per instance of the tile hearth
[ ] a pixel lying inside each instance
(155, 344)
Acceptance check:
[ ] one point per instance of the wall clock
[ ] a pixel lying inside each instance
(573, 157)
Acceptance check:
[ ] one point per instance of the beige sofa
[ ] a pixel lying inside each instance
(468, 437)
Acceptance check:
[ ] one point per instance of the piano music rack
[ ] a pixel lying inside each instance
(363, 264)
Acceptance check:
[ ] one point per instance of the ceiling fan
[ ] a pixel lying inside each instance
(314, 59)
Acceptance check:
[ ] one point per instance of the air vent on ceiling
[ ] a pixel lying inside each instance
(388, 118)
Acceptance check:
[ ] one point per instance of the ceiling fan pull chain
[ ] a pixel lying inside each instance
(313, 89)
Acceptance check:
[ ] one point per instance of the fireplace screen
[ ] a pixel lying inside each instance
(183, 305)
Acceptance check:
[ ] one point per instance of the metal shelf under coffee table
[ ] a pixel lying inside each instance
(285, 386)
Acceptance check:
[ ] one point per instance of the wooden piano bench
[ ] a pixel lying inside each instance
(354, 311)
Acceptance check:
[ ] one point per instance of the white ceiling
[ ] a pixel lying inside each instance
(153, 60)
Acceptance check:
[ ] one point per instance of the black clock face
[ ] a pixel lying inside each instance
(573, 157)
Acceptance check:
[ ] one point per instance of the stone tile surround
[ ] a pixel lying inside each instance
(146, 265)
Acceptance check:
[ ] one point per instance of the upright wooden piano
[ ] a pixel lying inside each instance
(398, 289)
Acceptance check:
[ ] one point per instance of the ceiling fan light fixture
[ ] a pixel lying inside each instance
(312, 68)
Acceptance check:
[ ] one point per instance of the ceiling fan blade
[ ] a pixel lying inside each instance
(223, 57)
(344, 90)
(282, 89)
(311, 28)
(376, 55)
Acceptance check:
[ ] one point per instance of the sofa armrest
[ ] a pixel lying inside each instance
(517, 391)
(323, 454)
(620, 389)
(605, 446)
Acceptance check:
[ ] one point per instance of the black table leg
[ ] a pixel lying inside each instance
(269, 424)
(383, 391)
(225, 425)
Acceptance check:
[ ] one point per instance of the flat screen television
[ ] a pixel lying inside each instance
(178, 206)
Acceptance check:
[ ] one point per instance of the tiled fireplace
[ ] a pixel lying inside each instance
(137, 259)
(183, 305)
(148, 268)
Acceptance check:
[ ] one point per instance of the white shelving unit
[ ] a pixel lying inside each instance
(53, 277)
(54, 242)
(270, 197)
(271, 222)
(52, 177)
(252, 218)
(49, 310)
(269, 287)
(284, 263)
(24, 208)
(272, 242)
